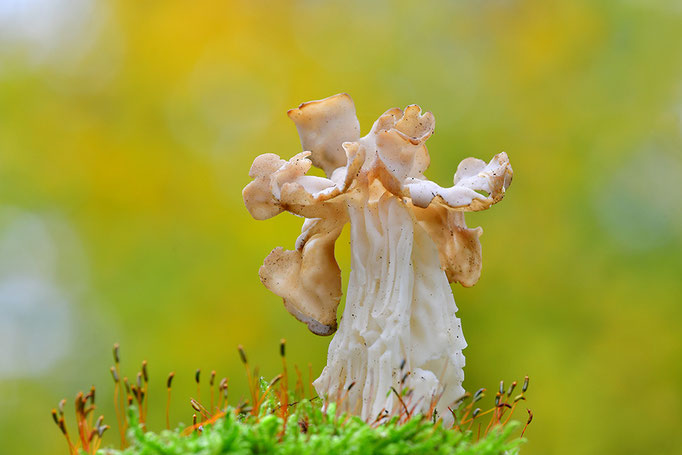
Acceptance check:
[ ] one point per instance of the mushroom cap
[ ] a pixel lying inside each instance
(323, 126)
(472, 178)
(257, 195)
(283, 185)
(459, 247)
(308, 278)
(398, 138)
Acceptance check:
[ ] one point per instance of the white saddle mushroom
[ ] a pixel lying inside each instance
(408, 242)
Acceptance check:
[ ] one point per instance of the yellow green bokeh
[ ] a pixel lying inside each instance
(127, 130)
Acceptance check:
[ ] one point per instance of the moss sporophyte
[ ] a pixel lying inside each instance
(279, 419)
(394, 373)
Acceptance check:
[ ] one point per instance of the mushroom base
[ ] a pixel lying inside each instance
(399, 307)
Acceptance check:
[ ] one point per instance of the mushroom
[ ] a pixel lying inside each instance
(409, 240)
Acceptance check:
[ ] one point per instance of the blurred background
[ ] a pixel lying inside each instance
(127, 130)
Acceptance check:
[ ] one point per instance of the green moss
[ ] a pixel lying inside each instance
(277, 420)
(309, 430)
